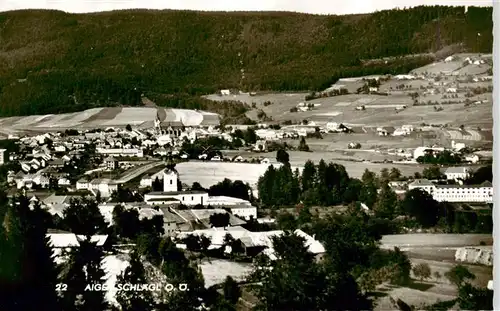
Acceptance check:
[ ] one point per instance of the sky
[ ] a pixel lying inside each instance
(338, 7)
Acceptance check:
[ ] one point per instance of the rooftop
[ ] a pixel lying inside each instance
(421, 183)
(188, 192)
(456, 170)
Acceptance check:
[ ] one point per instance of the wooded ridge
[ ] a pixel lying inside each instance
(54, 62)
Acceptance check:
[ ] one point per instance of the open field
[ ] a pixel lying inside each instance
(211, 270)
(438, 251)
(211, 173)
(435, 240)
(105, 117)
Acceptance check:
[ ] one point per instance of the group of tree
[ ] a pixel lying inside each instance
(227, 187)
(444, 157)
(322, 184)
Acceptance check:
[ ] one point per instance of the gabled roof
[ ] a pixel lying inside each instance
(456, 170)
(421, 183)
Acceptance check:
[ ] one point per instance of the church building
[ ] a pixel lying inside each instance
(171, 193)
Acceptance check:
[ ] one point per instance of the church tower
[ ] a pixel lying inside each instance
(169, 180)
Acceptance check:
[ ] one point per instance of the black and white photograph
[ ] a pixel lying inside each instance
(301, 155)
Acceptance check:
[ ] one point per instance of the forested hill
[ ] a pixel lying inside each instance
(52, 61)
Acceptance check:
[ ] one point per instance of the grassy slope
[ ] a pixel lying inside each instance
(113, 57)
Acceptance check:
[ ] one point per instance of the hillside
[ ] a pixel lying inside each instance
(139, 117)
(55, 62)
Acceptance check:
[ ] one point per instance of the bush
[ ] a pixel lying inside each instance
(422, 271)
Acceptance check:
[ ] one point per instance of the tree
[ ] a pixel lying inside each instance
(291, 282)
(420, 204)
(128, 128)
(368, 194)
(395, 174)
(458, 275)
(83, 217)
(437, 275)
(126, 222)
(84, 268)
(432, 172)
(157, 185)
(308, 174)
(384, 175)
(28, 274)
(134, 274)
(231, 290)
(473, 298)
(219, 220)
(197, 187)
(282, 156)
(387, 201)
(287, 221)
(484, 173)
(422, 271)
(305, 216)
(303, 145)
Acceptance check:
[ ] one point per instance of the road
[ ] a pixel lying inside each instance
(137, 171)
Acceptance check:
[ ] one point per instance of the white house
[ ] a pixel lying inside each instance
(399, 132)
(244, 211)
(104, 186)
(225, 92)
(41, 180)
(457, 173)
(60, 148)
(423, 184)
(146, 181)
(473, 158)
(64, 182)
(457, 146)
(451, 90)
(82, 184)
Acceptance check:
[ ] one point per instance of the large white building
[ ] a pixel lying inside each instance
(482, 193)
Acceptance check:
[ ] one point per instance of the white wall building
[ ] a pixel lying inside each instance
(105, 187)
(456, 193)
(119, 152)
(3, 156)
(244, 211)
(457, 173)
(82, 184)
(189, 198)
(169, 180)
